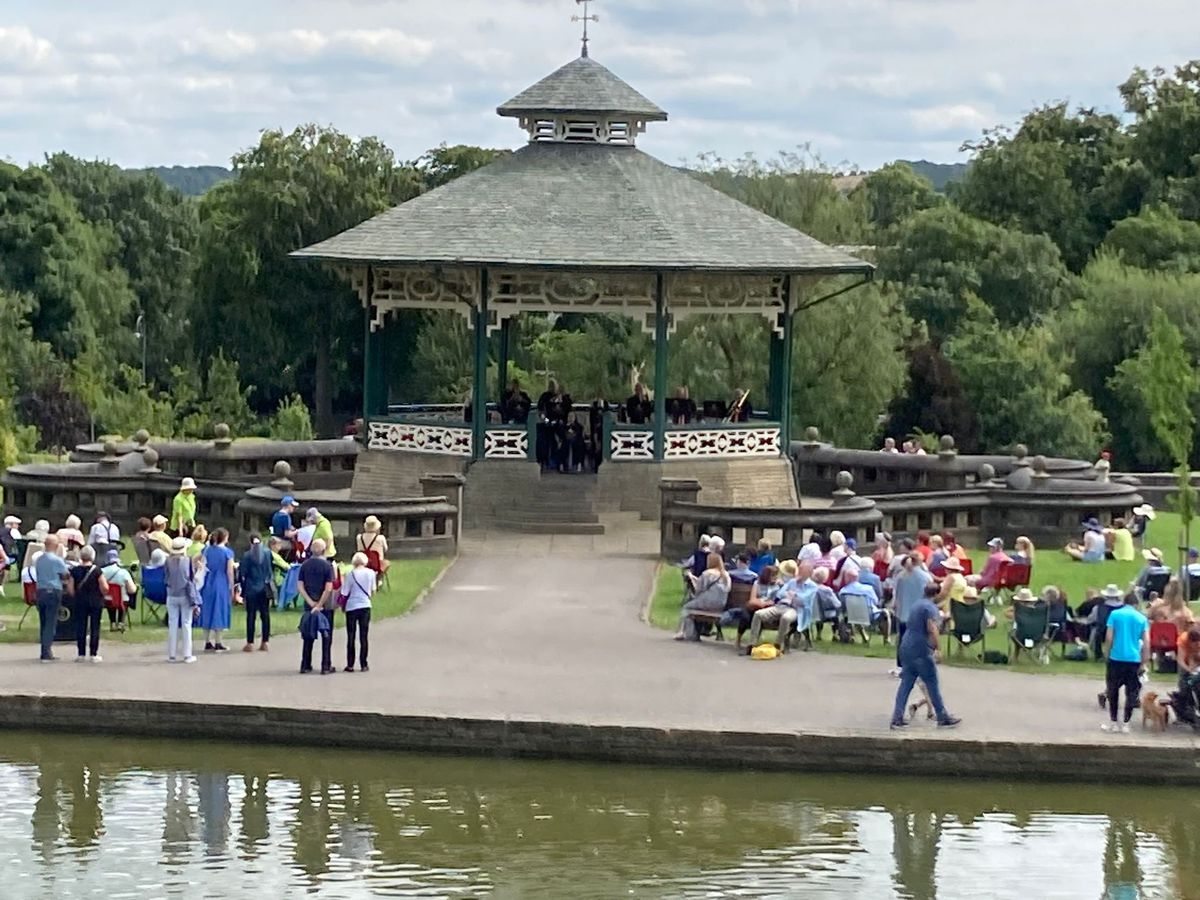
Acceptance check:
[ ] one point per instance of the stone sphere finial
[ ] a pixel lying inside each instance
(110, 453)
(149, 459)
(283, 469)
(1039, 465)
(141, 437)
(844, 480)
(812, 433)
(947, 442)
(221, 430)
(987, 472)
(1020, 451)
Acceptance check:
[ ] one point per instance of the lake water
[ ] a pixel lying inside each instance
(120, 818)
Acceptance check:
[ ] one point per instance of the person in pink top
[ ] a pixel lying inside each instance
(997, 559)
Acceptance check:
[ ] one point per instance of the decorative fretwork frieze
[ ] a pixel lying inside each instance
(629, 445)
(415, 438)
(582, 129)
(718, 443)
(514, 292)
(506, 443)
(693, 294)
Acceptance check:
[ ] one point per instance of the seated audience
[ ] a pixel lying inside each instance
(1118, 541)
(698, 561)
(1023, 550)
(762, 556)
(716, 544)
(996, 561)
(103, 533)
(837, 545)
(781, 614)
(1192, 569)
(742, 573)
(938, 553)
(1172, 607)
(924, 546)
(853, 586)
(826, 604)
(889, 445)
(710, 592)
(953, 548)
(883, 552)
(69, 536)
(115, 573)
(158, 534)
(1154, 570)
(954, 584)
(1093, 547)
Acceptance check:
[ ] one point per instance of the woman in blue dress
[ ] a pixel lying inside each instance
(217, 592)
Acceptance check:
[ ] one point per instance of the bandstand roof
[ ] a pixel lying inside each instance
(583, 205)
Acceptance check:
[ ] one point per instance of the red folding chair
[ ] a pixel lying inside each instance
(1164, 642)
(29, 591)
(117, 601)
(1013, 575)
(967, 567)
(375, 564)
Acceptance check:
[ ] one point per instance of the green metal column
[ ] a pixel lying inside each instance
(785, 371)
(502, 369)
(382, 358)
(660, 367)
(479, 386)
(370, 362)
(774, 367)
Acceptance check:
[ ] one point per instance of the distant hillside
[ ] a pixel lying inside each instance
(941, 174)
(191, 180)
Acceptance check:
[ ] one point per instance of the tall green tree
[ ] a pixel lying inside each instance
(1156, 238)
(1166, 133)
(443, 164)
(293, 326)
(893, 193)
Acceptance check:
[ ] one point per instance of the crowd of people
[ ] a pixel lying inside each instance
(910, 589)
(197, 577)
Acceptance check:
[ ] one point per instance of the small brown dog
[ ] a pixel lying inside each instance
(1154, 711)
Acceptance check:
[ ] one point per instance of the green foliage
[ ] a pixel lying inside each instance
(1156, 238)
(58, 414)
(1166, 133)
(191, 181)
(894, 193)
(443, 164)
(1017, 386)
(291, 421)
(935, 402)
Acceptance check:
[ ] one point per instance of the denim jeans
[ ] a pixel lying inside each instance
(48, 603)
(923, 667)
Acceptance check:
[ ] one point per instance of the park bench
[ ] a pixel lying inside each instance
(739, 598)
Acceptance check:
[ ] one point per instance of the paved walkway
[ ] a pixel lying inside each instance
(513, 636)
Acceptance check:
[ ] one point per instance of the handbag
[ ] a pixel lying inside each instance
(189, 589)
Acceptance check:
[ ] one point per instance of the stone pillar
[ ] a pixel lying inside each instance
(449, 485)
(675, 492)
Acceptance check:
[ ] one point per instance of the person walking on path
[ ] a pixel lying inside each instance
(53, 579)
(316, 590)
(216, 597)
(182, 601)
(918, 660)
(1126, 651)
(183, 508)
(256, 578)
(357, 588)
(91, 593)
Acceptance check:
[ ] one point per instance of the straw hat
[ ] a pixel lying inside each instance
(788, 568)
(1024, 595)
(188, 484)
(160, 522)
(1153, 554)
(952, 564)
(1145, 510)
(371, 524)
(1112, 592)
(179, 546)
(11, 520)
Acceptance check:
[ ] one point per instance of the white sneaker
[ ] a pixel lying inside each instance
(894, 672)
(1125, 728)
(190, 659)
(81, 659)
(1109, 726)
(97, 659)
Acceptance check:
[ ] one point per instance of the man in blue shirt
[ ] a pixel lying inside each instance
(782, 615)
(53, 577)
(1127, 650)
(742, 572)
(854, 586)
(918, 660)
(281, 522)
(316, 590)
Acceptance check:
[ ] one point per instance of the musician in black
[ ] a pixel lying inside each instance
(544, 429)
(572, 448)
(595, 440)
(515, 405)
(682, 408)
(740, 411)
(639, 408)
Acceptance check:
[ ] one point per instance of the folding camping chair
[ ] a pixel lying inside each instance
(1032, 630)
(1013, 575)
(375, 564)
(117, 600)
(29, 591)
(1164, 643)
(967, 626)
(154, 594)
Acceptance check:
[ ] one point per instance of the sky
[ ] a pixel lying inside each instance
(860, 82)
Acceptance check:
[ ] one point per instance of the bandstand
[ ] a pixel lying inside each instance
(581, 221)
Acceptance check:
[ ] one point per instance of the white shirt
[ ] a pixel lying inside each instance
(357, 587)
(304, 535)
(1093, 541)
(103, 534)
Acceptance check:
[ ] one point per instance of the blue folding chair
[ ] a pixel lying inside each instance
(154, 591)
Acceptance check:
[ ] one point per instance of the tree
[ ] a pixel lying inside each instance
(291, 324)
(443, 164)
(1017, 385)
(895, 192)
(1156, 238)
(1166, 133)
(60, 416)
(935, 402)
(1163, 378)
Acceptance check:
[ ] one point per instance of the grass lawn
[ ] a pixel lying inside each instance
(407, 579)
(1051, 566)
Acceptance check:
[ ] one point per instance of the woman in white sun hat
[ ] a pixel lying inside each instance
(183, 508)
(1142, 516)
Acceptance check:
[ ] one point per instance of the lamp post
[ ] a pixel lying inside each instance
(139, 332)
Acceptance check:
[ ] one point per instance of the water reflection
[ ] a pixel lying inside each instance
(129, 818)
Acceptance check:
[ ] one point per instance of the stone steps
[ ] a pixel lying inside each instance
(518, 497)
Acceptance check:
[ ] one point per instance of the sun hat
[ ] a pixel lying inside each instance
(788, 568)
(11, 520)
(1153, 553)
(1145, 510)
(188, 484)
(179, 546)
(1092, 525)
(952, 564)
(1112, 592)
(160, 521)
(851, 544)
(996, 542)
(288, 500)
(1024, 595)
(371, 524)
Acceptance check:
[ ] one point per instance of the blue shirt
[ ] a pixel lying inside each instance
(1128, 629)
(916, 629)
(910, 590)
(743, 576)
(869, 578)
(761, 561)
(49, 571)
(315, 573)
(789, 593)
(281, 523)
(255, 571)
(861, 589)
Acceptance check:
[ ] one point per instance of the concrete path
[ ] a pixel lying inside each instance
(515, 635)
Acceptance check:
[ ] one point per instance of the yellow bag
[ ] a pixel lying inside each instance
(764, 651)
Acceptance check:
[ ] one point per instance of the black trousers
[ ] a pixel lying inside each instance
(900, 629)
(256, 606)
(359, 620)
(115, 615)
(326, 647)
(87, 617)
(1116, 676)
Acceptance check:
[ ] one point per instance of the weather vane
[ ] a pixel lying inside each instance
(585, 18)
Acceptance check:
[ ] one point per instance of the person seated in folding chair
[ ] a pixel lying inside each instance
(1033, 628)
(115, 573)
(1187, 656)
(783, 611)
(104, 534)
(856, 595)
(9, 535)
(1154, 575)
(154, 586)
(992, 569)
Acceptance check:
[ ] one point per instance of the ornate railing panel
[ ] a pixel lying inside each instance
(506, 443)
(628, 444)
(723, 443)
(420, 438)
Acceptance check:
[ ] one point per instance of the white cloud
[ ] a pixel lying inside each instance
(953, 117)
(20, 47)
(226, 46)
